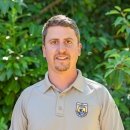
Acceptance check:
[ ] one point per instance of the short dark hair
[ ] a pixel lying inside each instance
(60, 20)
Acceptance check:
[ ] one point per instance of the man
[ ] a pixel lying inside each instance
(64, 100)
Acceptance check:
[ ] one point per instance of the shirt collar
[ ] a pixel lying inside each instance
(47, 83)
(79, 83)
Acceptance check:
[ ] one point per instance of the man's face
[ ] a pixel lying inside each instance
(61, 48)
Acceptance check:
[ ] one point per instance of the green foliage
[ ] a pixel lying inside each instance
(3, 126)
(21, 66)
(117, 66)
(105, 47)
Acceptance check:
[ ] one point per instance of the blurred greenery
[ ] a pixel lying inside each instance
(105, 36)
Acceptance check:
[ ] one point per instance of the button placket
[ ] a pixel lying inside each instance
(60, 105)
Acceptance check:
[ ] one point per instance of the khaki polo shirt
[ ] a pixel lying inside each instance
(84, 105)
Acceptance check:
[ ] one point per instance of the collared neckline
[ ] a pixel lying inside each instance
(79, 83)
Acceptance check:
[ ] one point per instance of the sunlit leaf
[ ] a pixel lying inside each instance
(108, 72)
(126, 10)
(113, 12)
(118, 21)
(118, 8)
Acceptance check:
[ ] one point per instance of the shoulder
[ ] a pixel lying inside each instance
(102, 93)
(95, 85)
(29, 89)
(25, 95)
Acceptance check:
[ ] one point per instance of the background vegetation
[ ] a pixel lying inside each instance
(105, 35)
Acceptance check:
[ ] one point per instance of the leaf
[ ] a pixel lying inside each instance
(114, 55)
(118, 8)
(16, 65)
(9, 73)
(3, 126)
(98, 46)
(9, 99)
(122, 29)
(121, 77)
(103, 40)
(21, 33)
(127, 62)
(2, 65)
(17, 88)
(92, 40)
(126, 10)
(14, 86)
(108, 72)
(100, 65)
(18, 72)
(22, 4)
(109, 52)
(119, 43)
(5, 109)
(112, 12)
(124, 108)
(126, 70)
(118, 21)
(128, 40)
(23, 84)
(24, 15)
(128, 30)
(4, 6)
(116, 101)
(2, 75)
(128, 17)
(19, 8)
(9, 65)
(26, 79)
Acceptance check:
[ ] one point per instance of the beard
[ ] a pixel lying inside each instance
(62, 66)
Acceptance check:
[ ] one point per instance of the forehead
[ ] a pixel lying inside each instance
(60, 31)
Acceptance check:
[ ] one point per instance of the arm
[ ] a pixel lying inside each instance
(109, 117)
(19, 118)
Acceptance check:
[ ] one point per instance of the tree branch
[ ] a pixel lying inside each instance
(50, 6)
(119, 36)
(46, 9)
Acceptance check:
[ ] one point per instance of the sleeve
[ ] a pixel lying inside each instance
(109, 117)
(19, 119)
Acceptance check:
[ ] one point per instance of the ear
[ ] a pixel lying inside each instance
(44, 51)
(79, 48)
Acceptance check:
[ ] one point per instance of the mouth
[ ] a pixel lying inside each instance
(61, 58)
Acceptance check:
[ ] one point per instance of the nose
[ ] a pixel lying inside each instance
(61, 47)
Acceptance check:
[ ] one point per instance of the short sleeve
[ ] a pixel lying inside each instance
(110, 118)
(19, 120)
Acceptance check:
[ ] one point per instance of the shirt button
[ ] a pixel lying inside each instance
(60, 108)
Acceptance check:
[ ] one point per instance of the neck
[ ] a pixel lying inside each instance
(62, 80)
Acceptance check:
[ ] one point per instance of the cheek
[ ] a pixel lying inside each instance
(49, 54)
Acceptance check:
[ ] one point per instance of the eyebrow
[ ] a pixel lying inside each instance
(53, 39)
(64, 39)
(69, 38)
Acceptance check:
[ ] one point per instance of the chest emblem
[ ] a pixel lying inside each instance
(81, 109)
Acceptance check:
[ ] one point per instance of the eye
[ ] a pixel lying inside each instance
(68, 42)
(53, 42)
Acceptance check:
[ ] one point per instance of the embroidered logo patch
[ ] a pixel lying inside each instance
(81, 109)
